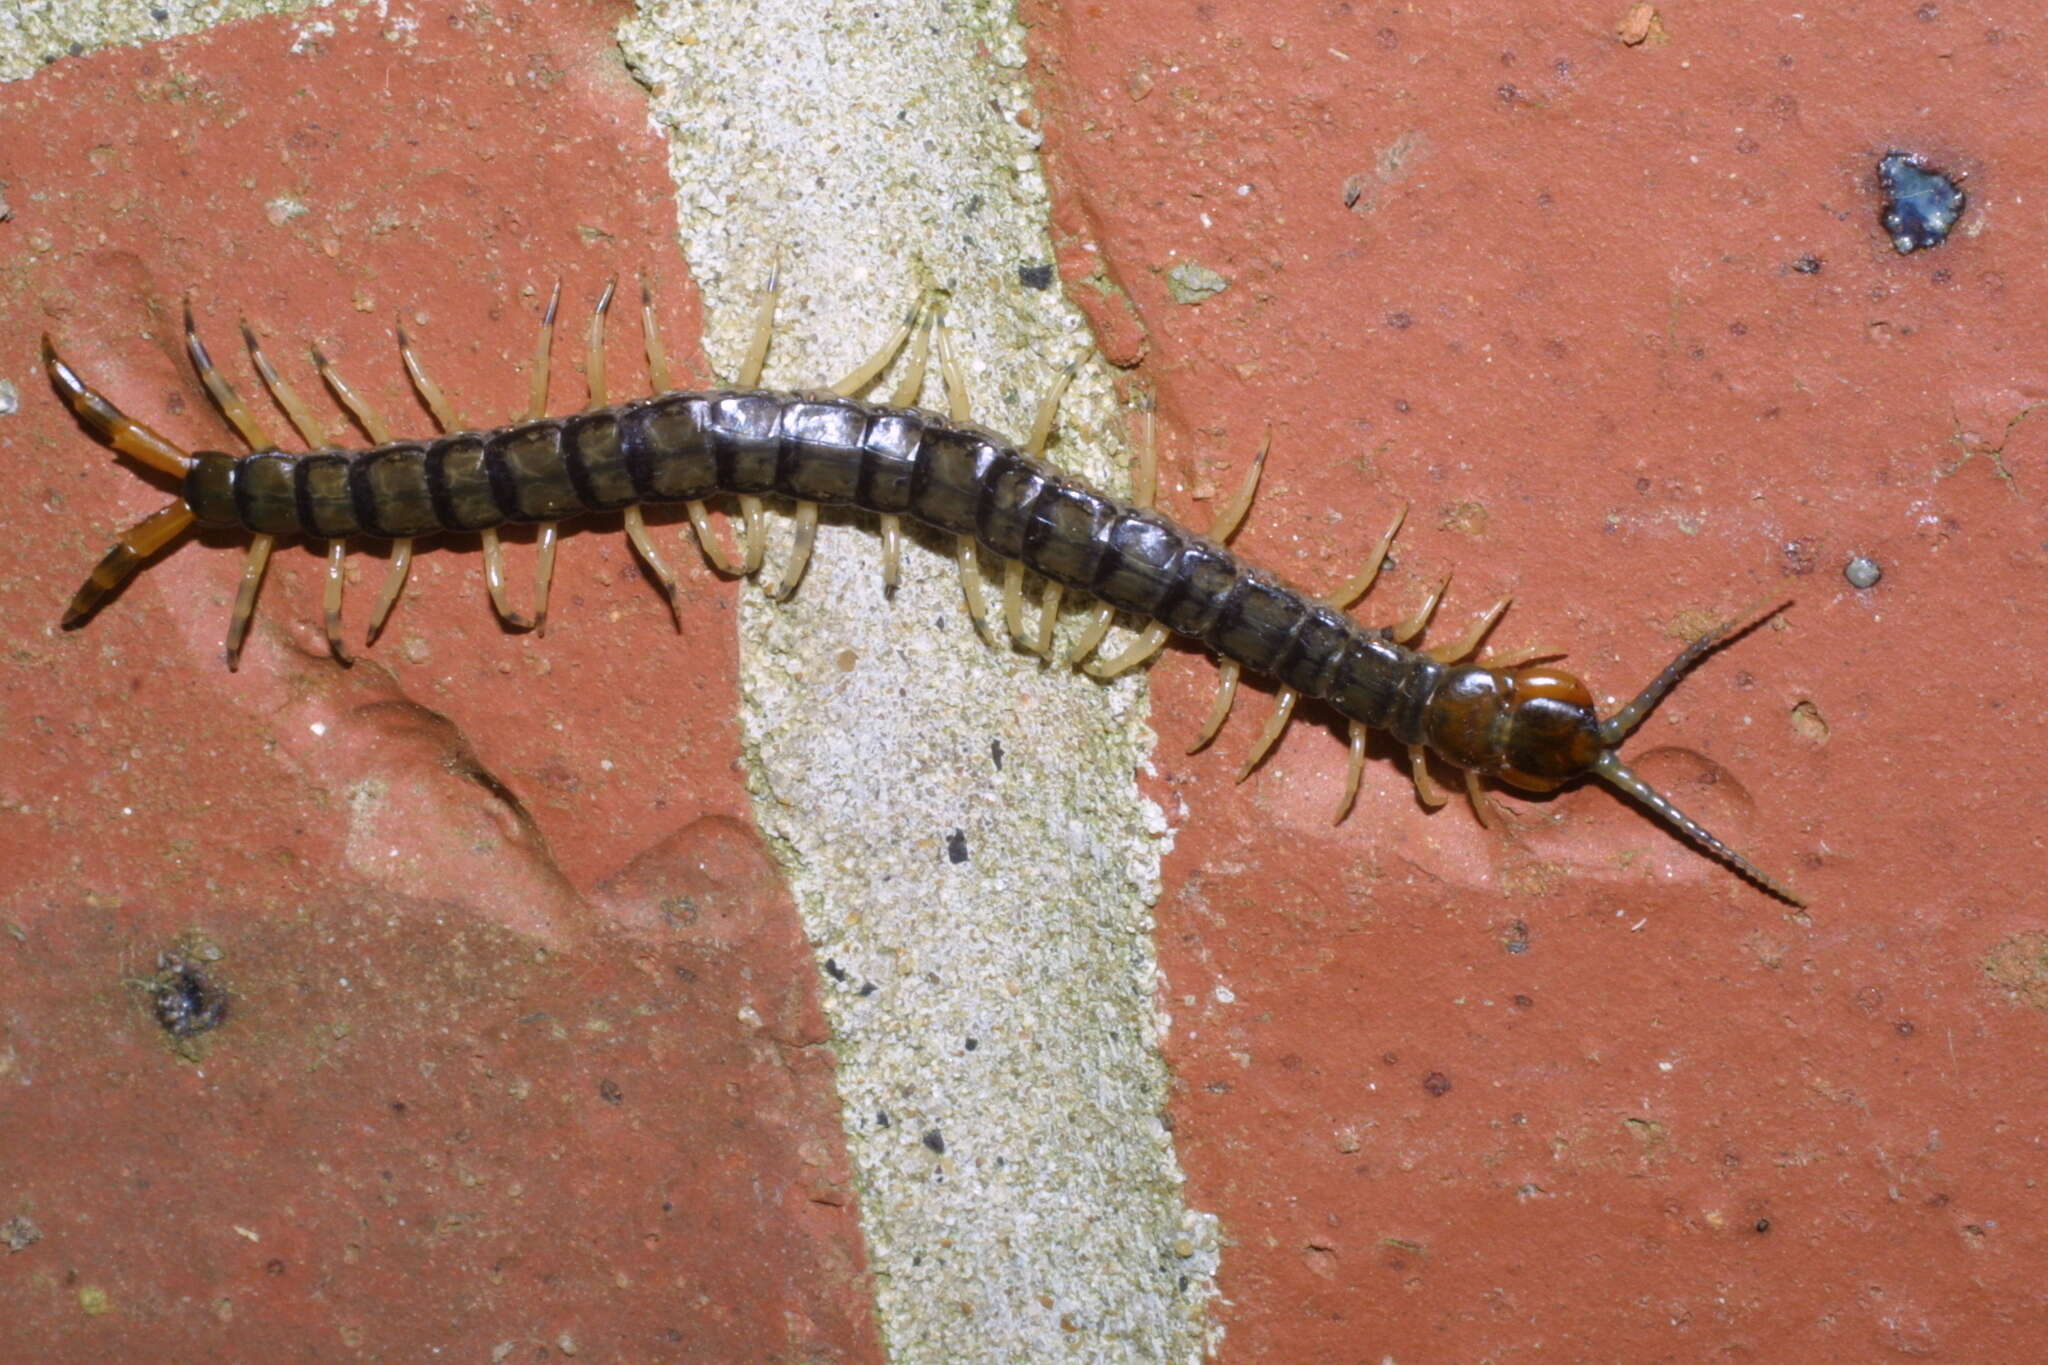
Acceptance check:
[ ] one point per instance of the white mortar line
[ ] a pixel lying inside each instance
(875, 146)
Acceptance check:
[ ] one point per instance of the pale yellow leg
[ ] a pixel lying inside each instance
(330, 600)
(1231, 515)
(1419, 622)
(799, 552)
(1144, 489)
(1515, 658)
(222, 392)
(372, 422)
(650, 334)
(753, 513)
(1150, 641)
(365, 414)
(1426, 789)
(245, 596)
(906, 396)
(1360, 583)
(494, 581)
(593, 350)
(309, 428)
(1353, 771)
(429, 392)
(871, 369)
(1482, 804)
(1145, 470)
(316, 438)
(537, 408)
(1276, 725)
(394, 583)
(965, 552)
(544, 574)
(543, 359)
(1013, 572)
(1452, 651)
(700, 516)
(1013, 599)
(1100, 618)
(756, 358)
(1049, 617)
(636, 532)
(251, 431)
(1227, 675)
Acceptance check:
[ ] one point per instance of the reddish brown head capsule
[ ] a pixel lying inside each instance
(1533, 727)
(1553, 733)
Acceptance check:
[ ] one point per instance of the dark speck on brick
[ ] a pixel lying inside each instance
(956, 846)
(834, 970)
(995, 751)
(1807, 265)
(973, 1043)
(935, 1140)
(1035, 276)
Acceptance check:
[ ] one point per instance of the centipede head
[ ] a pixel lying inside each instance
(1553, 734)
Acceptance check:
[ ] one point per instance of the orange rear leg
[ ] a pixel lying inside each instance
(1353, 770)
(129, 437)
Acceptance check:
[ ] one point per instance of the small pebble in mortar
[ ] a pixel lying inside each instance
(1921, 205)
(1862, 572)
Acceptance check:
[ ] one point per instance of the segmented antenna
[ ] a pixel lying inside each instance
(1611, 770)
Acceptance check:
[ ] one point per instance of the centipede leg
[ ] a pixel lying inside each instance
(1227, 674)
(965, 553)
(445, 417)
(1144, 489)
(1453, 650)
(1419, 622)
(135, 544)
(494, 581)
(1013, 571)
(1515, 658)
(330, 601)
(869, 370)
(636, 532)
(1276, 725)
(700, 515)
(394, 584)
(906, 396)
(753, 512)
(1353, 771)
(1361, 583)
(116, 428)
(799, 552)
(372, 422)
(1101, 617)
(1426, 789)
(221, 391)
(253, 565)
(1150, 641)
(301, 417)
(1231, 515)
(547, 532)
(1482, 805)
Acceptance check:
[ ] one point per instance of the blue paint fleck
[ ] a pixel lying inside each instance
(1921, 204)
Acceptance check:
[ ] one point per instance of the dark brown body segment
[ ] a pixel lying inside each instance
(956, 478)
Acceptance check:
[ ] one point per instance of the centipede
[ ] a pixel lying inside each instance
(1515, 719)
